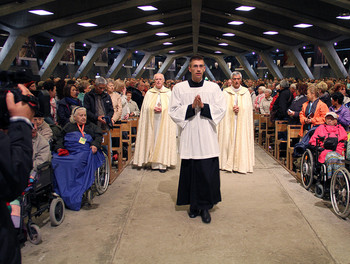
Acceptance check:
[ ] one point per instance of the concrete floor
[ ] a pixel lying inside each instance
(265, 217)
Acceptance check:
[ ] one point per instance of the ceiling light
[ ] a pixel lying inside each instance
(277, 50)
(270, 32)
(245, 8)
(223, 44)
(155, 23)
(304, 47)
(84, 44)
(335, 43)
(52, 40)
(302, 25)
(218, 52)
(253, 53)
(119, 32)
(147, 8)
(87, 24)
(172, 51)
(112, 48)
(237, 23)
(167, 43)
(40, 12)
(228, 34)
(136, 51)
(345, 16)
(162, 34)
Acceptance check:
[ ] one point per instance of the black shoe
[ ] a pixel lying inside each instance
(206, 218)
(162, 171)
(192, 213)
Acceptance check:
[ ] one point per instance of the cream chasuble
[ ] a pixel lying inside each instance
(236, 137)
(156, 135)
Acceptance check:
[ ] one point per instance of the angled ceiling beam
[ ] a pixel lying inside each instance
(80, 16)
(196, 19)
(341, 3)
(131, 38)
(252, 37)
(225, 51)
(177, 47)
(126, 24)
(15, 6)
(231, 43)
(159, 42)
(265, 26)
(183, 70)
(295, 15)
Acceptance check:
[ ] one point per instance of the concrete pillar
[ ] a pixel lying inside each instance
(141, 68)
(246, 66)
(209, 74)
(299, 62)
(223, 66)
(166, 64)
(183, 70)
(10, 50)
(89, 60)
(333, 59)
(270, 65)
(53, 59)
(118, 63)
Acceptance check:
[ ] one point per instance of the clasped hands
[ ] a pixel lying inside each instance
(158, 108)
(235, 109)
(197, 102)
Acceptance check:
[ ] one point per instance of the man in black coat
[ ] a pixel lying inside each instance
(15, 166)
(98, 104)
(283, 101)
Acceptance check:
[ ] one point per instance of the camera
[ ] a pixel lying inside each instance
(40, 101)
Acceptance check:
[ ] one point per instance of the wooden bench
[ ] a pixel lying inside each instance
(125, 128)
(292, 133)
(134, 123)
(265, 127)
(117, 145)
(106, 142)
(280, 126)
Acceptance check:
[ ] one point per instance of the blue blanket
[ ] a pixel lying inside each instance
(75, 173)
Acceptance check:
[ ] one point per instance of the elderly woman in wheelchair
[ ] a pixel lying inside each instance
(78, 156)
(324, 155)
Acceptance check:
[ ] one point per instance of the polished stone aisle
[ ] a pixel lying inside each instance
(265, 217)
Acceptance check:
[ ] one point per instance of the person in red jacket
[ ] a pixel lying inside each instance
(333, 136)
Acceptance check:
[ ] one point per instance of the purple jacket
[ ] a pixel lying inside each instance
(343, 116)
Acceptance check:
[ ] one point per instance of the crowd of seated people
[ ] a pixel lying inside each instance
(302, 102)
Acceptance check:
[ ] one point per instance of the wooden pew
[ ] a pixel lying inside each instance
(125, 127)
(293, 132)
(117, 145)
(256, 126)
(280, 126)
(134, 122)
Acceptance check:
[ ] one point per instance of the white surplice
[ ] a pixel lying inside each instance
(198, 135)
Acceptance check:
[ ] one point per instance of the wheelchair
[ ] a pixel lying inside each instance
(339, 190)
(312, 170)
(35, 200)
(101, 182)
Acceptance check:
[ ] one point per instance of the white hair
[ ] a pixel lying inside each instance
(235, 73)
(75, 112)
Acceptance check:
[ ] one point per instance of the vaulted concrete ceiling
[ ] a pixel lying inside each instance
(203, 22)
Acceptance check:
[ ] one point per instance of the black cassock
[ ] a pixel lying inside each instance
(199, 183)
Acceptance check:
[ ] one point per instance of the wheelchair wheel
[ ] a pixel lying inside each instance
(102, 175)
(89, 197)
(307, 169)
(339, 192)
(57, 211)
(319, 190)
(34, 234)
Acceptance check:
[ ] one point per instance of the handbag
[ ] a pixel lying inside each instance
(331, 143)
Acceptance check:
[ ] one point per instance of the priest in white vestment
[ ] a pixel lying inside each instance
(236, 131)
(197, 106)
(156, 133)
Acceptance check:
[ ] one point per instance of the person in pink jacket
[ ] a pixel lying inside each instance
(333, 153)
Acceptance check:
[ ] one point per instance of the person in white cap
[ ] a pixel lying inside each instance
(333, 144)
